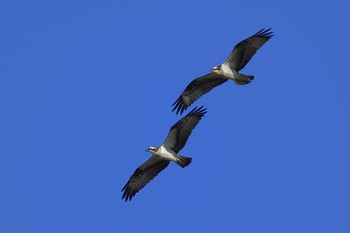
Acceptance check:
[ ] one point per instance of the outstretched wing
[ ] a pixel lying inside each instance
(196, 89)
(245, 50)
(179, 133)
(142, 175)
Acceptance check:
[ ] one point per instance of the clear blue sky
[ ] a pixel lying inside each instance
(87, 86)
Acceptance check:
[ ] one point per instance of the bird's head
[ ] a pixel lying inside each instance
(216, 69)
(152, 149)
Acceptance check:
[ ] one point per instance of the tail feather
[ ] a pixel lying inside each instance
(243, 79)
(183, 161)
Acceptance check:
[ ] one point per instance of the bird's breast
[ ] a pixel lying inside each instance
(227, 71)
(166, 154)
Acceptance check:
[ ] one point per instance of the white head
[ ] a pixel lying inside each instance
(152, 149)
(216, 69)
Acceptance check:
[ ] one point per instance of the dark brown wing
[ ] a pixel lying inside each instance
(196, 89)
(245, 50)
(179, 132)
(142, 175)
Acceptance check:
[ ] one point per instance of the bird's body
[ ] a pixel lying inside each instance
(168, 154)
(225, 71)
(229, 70)
(164, 154)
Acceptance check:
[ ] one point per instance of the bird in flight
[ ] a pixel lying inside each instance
(162, 155)
(236, 61)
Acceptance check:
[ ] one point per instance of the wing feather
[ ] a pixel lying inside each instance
(181, 130)
(196, 89)
(142, 175)
(245, 50)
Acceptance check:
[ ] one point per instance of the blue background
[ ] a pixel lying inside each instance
(87, 86)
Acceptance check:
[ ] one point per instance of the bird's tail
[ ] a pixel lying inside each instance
(183, 161)
(242, 79)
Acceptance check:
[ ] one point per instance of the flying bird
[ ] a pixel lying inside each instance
(236, 61)
(162, 155)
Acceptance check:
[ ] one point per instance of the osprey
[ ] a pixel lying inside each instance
(237, 60)
(175, 141)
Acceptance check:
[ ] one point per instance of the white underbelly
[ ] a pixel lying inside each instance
(165, 154)
(227, 72)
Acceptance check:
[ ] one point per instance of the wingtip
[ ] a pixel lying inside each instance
(179, 106)
(200, 111)
(265, 33)
(127, 194)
